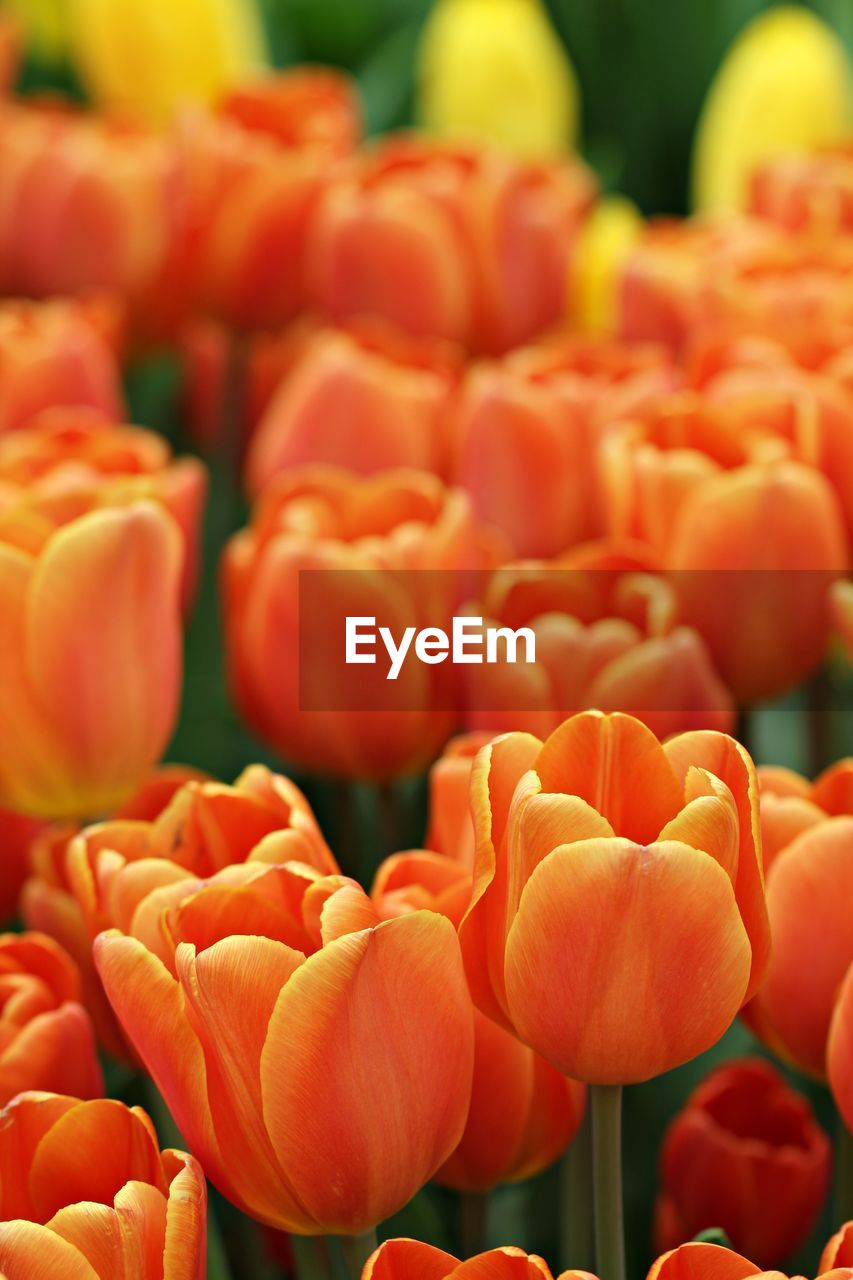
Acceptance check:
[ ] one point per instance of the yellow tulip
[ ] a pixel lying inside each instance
(44, 24)
(605, 241)
(494, 71)
(785, 85)
(148, 57)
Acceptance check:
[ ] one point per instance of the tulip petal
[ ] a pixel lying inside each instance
(408, 1260)
(730, 762)
(702, 1262)
(94, 1230)
(618, 767)
(54, 1052)
(26, 1121)
(625, 961)
(503, 1264)
(32, 1252)
(245, 974)
(141, 1213)
(185, 1253)
(151, 1007)
(349, 1074)
(839, 1055)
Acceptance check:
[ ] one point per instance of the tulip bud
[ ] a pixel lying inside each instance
(495, 72)
(743, 1140)
(783, 86)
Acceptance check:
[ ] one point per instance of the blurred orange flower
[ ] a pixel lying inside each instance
(178, 824)
(809, 835)
(526, 431)
(291, 1032)
(571, 830)
(367, 399)
(378, 532)
(67, 447)
(461, 244)
(46, 1039)
(839, 1059)
(809, 191)
(744, 1139)
(58, 353)
(613, 644)
(17, 833)
(87, 1195)
(90, 656)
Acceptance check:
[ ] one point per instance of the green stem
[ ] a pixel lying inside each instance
(473, 1212)
(843, 1173)
(607, 1180)
(217, 1258)
(577, 1240)
(312, 1259)
(356, 1251)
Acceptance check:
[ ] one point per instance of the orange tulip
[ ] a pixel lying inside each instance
(292, 1033)
(523, 1114)
(744, 1140)
(90, 654)
(178, 824)
(317, 713)
(367, 400)
(712, 1262)
(86, 1194)
(752, 539)
(467, 245)
(407, 1259)
(254, 172)
(72, 446)
(616, 656)
(46, 1039)
(450, 830)
(839, 1058)
(809, 887)
(57, 353)
(91, 204)
(811, 191)
(525, 435)
(569, 833)
(839, 1251)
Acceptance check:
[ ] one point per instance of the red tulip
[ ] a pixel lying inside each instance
(712, 1262)
(744, 1140)
(839, 1251)
(411, 1260)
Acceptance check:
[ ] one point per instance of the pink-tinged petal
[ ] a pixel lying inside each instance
(496, 771)
(108, 664)
(32, 1252)
(839, 1056)
(55, 1052)
(702, 1262)
(151, 1007)
(89, 1154)
(94, 1230)
(408, 1260)
(618, 767)
(731, 763)
(185, 1252)
(349, 1073)
(625, 961)
(232, 990)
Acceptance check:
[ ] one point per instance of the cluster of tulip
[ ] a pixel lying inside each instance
(426, 367)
